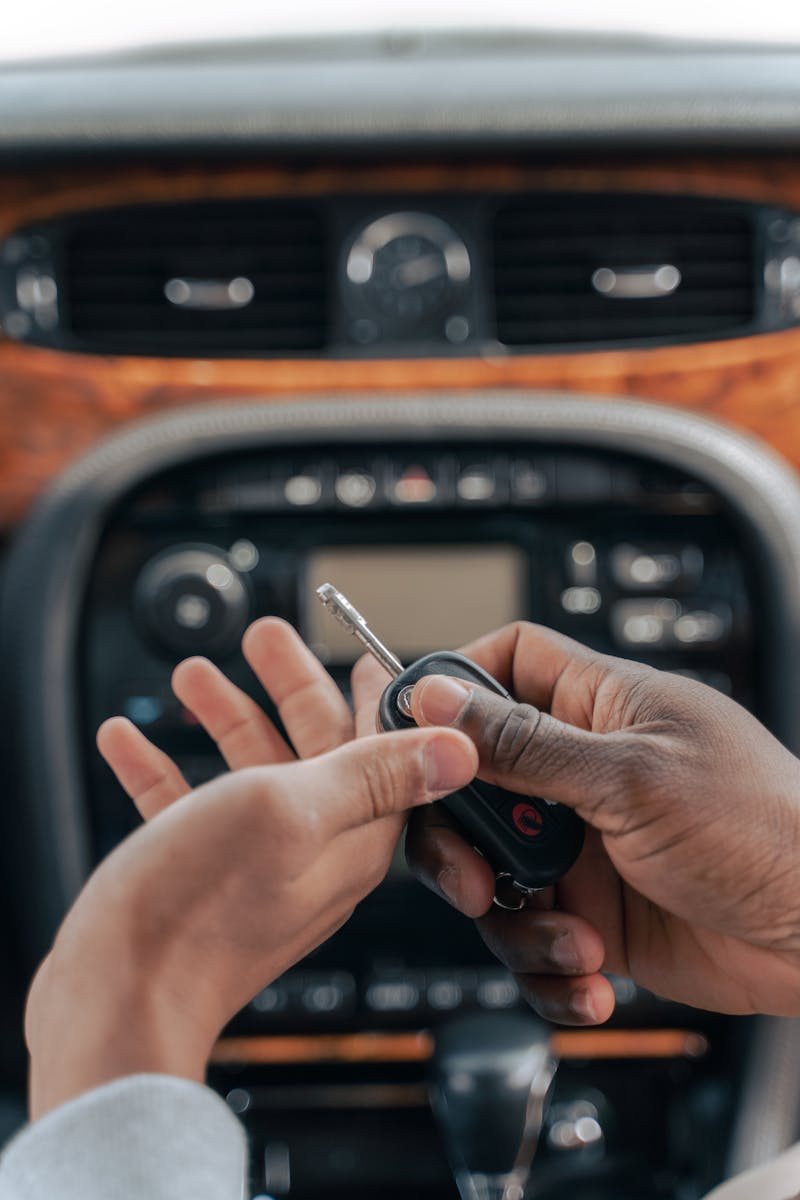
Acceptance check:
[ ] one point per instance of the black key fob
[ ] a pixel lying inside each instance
(530, 841)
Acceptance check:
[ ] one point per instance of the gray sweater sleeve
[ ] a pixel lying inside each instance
(145, 1137)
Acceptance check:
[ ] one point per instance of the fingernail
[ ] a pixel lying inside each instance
(446, 768)
(446, 882)
(564, 952)
(441, 699)
(582, 1005)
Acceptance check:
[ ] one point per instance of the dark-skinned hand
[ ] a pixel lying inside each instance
(688, 882)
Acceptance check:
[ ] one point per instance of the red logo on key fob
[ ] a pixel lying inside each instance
(527, 819)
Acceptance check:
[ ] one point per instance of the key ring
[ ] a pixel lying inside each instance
(512, 890)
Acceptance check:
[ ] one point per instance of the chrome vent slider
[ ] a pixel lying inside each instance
(212, 295)
(637, 283)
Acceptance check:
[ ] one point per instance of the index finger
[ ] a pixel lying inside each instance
(439, 857)
(369, 681)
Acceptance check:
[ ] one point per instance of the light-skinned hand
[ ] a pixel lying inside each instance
(225, 887)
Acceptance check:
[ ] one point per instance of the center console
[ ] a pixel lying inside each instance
(641, 532)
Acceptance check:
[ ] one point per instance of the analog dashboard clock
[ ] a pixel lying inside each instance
(407, 274)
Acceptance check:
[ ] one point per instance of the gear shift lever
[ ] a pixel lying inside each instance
(491, 1077)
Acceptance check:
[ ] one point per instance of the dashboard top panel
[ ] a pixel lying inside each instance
(388, 93)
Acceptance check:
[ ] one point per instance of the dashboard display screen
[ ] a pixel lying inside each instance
(416, 599)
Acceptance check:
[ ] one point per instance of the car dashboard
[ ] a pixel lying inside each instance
(481, 332)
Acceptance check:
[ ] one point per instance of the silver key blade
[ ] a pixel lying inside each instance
(349, 616)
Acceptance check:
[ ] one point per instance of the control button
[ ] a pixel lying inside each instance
(323, 998)
(582, 564)
(528, 483)
(414, 486)
(192, 601)
(192, 611)
(444, 994)
(700, 628)
(271, 1000)
(644, 622)
(527, 819)
(301, 491)
(575, 1135)
(393, 995)
(238, 1100)
(356, 489)
(497, 991)
(519, 815)
(325, 994)
(638, 568)
(663, 624)
(244, 555)
(457, 329)
(581, 601)
(475, 484)
(277, 1169)
(574, 1125)
(143, 710)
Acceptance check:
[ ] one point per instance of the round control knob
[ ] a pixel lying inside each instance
(192, 601)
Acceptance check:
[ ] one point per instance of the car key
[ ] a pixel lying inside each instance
(529, 842)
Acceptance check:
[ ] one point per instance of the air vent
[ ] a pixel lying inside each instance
(595, 269)
(198, 279)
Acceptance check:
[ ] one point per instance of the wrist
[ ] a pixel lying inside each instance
(86, 1027)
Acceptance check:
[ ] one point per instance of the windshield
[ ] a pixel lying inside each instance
(87, 27)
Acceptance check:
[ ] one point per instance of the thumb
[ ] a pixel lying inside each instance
(387, 773)
(520, 747)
